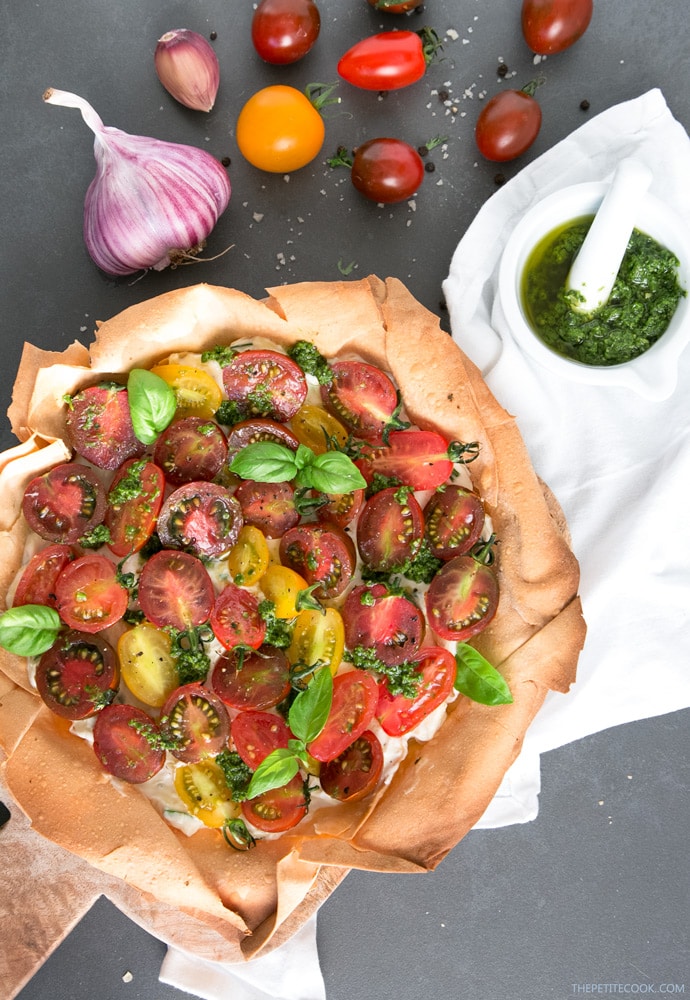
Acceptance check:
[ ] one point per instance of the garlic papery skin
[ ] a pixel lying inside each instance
(151, 203)
(187, 66)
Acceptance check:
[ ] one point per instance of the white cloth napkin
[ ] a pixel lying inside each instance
(618, 465)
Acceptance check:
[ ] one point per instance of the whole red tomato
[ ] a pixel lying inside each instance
(550, 26)
(387, 170)
(507, 125)
(283, 31)
(389, 60)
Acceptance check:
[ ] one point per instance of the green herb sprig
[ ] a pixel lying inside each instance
(270, 462)
(479, 679)
(29, 630)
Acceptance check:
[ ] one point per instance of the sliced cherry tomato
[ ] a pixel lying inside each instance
(78, 675)
(196, 720)
(259, 429)
(37, 582)
(454, 519)
(235, 618)
(385, 61)
(249, 557)
(417, 458)
(321, 554)
(99, 426)
(268, 506)
(390, 624)
(356, 771)
(282, 586)
(283, 31)
(355, 697)
(205, 792)
(361, 396)
(387, 170)
(256, 734)
(175, 590)
(551, 26)
(257, 680)
(134, 502)
(279, 130)
(277, 810)
(318, 639)
(390, 529)
(65, 503)
(265, 384)
(201, 518)
(88, 595)
(398, 714)
(341, 508)
(147, 664)
(317, 428)
(191, 449)
(120, 743)
(462, 599)
(507, 125)
(197, 393)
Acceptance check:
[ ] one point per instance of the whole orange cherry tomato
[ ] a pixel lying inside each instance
(279, 129)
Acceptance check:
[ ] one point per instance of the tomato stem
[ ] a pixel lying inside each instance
(342, 158)
(321, 94)
(531, 87)
(431, 43)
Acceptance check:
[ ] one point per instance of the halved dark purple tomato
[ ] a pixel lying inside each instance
(175, 590)
(99, 426)
(78, 675)
(390, 529)
(65, 503)
(235, 618)
(398, 714)
(195, 719)
(121, 745)
(134, 502)
(265, 384)
(259, 429)
(462, 599)
(321, 554)
(362, 397)
(390, 624)
(356, 771)
(279, 809)
(190, 450)
(201, 518)
(268, 506)
(256, 734)
(454, 520)
(259, 680)
(37, 582)
(340, 508)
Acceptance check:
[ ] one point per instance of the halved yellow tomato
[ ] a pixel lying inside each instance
(196, 392)
(205, 792)
(282, 586)
(318, 639)
(315, 427)
(147, 664)
(249, 557)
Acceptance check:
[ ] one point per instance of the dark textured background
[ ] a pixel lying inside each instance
(594, 891)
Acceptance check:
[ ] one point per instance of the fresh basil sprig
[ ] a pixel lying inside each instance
(478, 679)
(270, 462)
(152, 404)
(29, 630)
(307, 717)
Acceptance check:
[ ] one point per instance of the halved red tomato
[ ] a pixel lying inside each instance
(256, 734)
(235, 618)
(121, 744)
(462, 598)
(134, 501)
(257, 680)
(201, 518)
(277, 810)
(268, 506)
(362, 397)
(390, 624)
(265, 384)
(454, 518)
(417, 458)
(191, 449)
(175, 590)
(390, 529)
(355, 697)
(196, 720)
(78, 675)
(65, 503)
(88, 595)
(323, 555)
(99, 426)
(37, 582)
(341, 508)
(398, 714)
(356, 771)
(259, 429)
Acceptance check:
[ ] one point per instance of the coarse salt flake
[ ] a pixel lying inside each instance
(452, 34)
(127, 978)
(257, 216)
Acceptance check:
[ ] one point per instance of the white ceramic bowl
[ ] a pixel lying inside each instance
(653, 374)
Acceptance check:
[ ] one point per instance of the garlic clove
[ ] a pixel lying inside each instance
(187, 67)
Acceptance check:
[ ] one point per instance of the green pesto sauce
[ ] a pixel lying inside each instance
(643, 300)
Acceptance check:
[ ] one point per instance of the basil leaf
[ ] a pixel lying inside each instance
(304, 456)
(265, 462)
(152, 404)
(273, 772)
(334, 472)
(29, 629)
(309, 710)
(478, 679)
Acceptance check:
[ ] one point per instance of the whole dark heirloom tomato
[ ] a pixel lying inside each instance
(387, 170)
(508, 125)
(551, 26)
(283, 31)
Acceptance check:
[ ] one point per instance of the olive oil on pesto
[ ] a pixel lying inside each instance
(642, 302)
